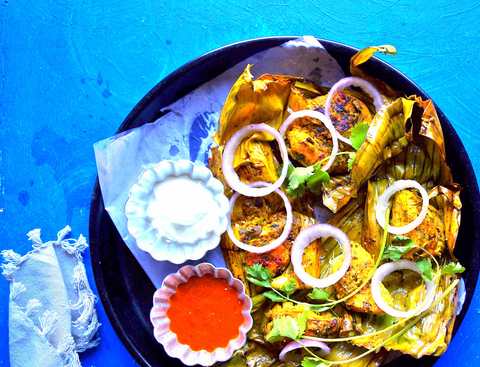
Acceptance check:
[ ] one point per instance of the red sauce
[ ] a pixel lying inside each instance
(205, 313)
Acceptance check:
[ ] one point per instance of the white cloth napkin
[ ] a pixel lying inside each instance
(52, 313)
(185, 132)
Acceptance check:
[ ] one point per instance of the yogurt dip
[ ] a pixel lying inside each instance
(177, 211)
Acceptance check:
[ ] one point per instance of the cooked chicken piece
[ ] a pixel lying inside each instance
(309, 141)
(258, 221)
(347, 110)
(318, 323)
(360, 269)
(430, 234)
(278, 259)
(275, 261)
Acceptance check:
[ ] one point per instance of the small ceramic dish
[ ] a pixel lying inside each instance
(161, 322)
(177, 211)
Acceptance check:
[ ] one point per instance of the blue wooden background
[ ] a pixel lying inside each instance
(70, 71)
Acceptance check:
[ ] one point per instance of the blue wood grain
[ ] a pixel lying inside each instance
(71, 70)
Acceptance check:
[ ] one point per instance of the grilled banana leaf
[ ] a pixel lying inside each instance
(363, 56)
(447, 201)
(387, 135)
(253, 101)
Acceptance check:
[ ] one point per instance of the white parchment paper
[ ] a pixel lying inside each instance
(185, 133)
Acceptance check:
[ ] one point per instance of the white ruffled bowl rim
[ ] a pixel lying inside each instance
(149, 239)
(161, 322)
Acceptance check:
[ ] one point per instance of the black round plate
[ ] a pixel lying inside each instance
(126, 291)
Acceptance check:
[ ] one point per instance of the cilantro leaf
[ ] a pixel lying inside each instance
(273, 296)
(425, 267)
(258, 271)
(351, 160)
(313, 362)
(289, 287)
(319, 176)
(301, 177)
(297, 177)
(358, 134)
(259, 282)
(287, 327)
(395, 252)
(453, 267)
(319, 294)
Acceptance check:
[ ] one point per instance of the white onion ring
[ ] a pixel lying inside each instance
(325, 120)
(300, 344)
(275, 243)
(385, 270)
(229, 153)
(382, 206)
(367, 87)
(309, 235)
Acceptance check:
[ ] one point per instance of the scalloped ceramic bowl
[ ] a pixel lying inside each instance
(161, 322)
(182, 223)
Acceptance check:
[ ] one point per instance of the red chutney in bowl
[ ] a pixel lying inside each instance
(205, 313)
(201, 314)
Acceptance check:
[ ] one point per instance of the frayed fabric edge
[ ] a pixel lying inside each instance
(47, 322)
(11, 264)
(87, 322)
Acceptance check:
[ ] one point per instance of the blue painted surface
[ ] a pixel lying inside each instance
(70, 71)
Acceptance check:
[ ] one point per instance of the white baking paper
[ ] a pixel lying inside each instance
(185, 133)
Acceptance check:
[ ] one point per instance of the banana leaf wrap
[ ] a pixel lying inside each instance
(388, 134)
(362, 57)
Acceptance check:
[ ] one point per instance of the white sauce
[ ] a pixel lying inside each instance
(182, 209)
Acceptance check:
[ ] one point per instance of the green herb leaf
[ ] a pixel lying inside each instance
(273, 296)
(287, 327)
(313, 362)
(399, 247)
(289, 287)
(319, 176)
(259, 282)
(358, 134)
(297, 179)
(258, 271)
(351, 160)
(319, 294)
(301, 177)
(395, 253)
(425, 267)
(453, 267)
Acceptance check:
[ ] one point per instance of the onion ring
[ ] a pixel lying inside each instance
(228, 170)
(382, 206)
(297, 344)
(310, 234)
(275, 243)
(385, 270)
(366, 86)
(325, 120)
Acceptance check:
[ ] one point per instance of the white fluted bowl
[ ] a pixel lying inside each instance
(189, 244)
(161, 322)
